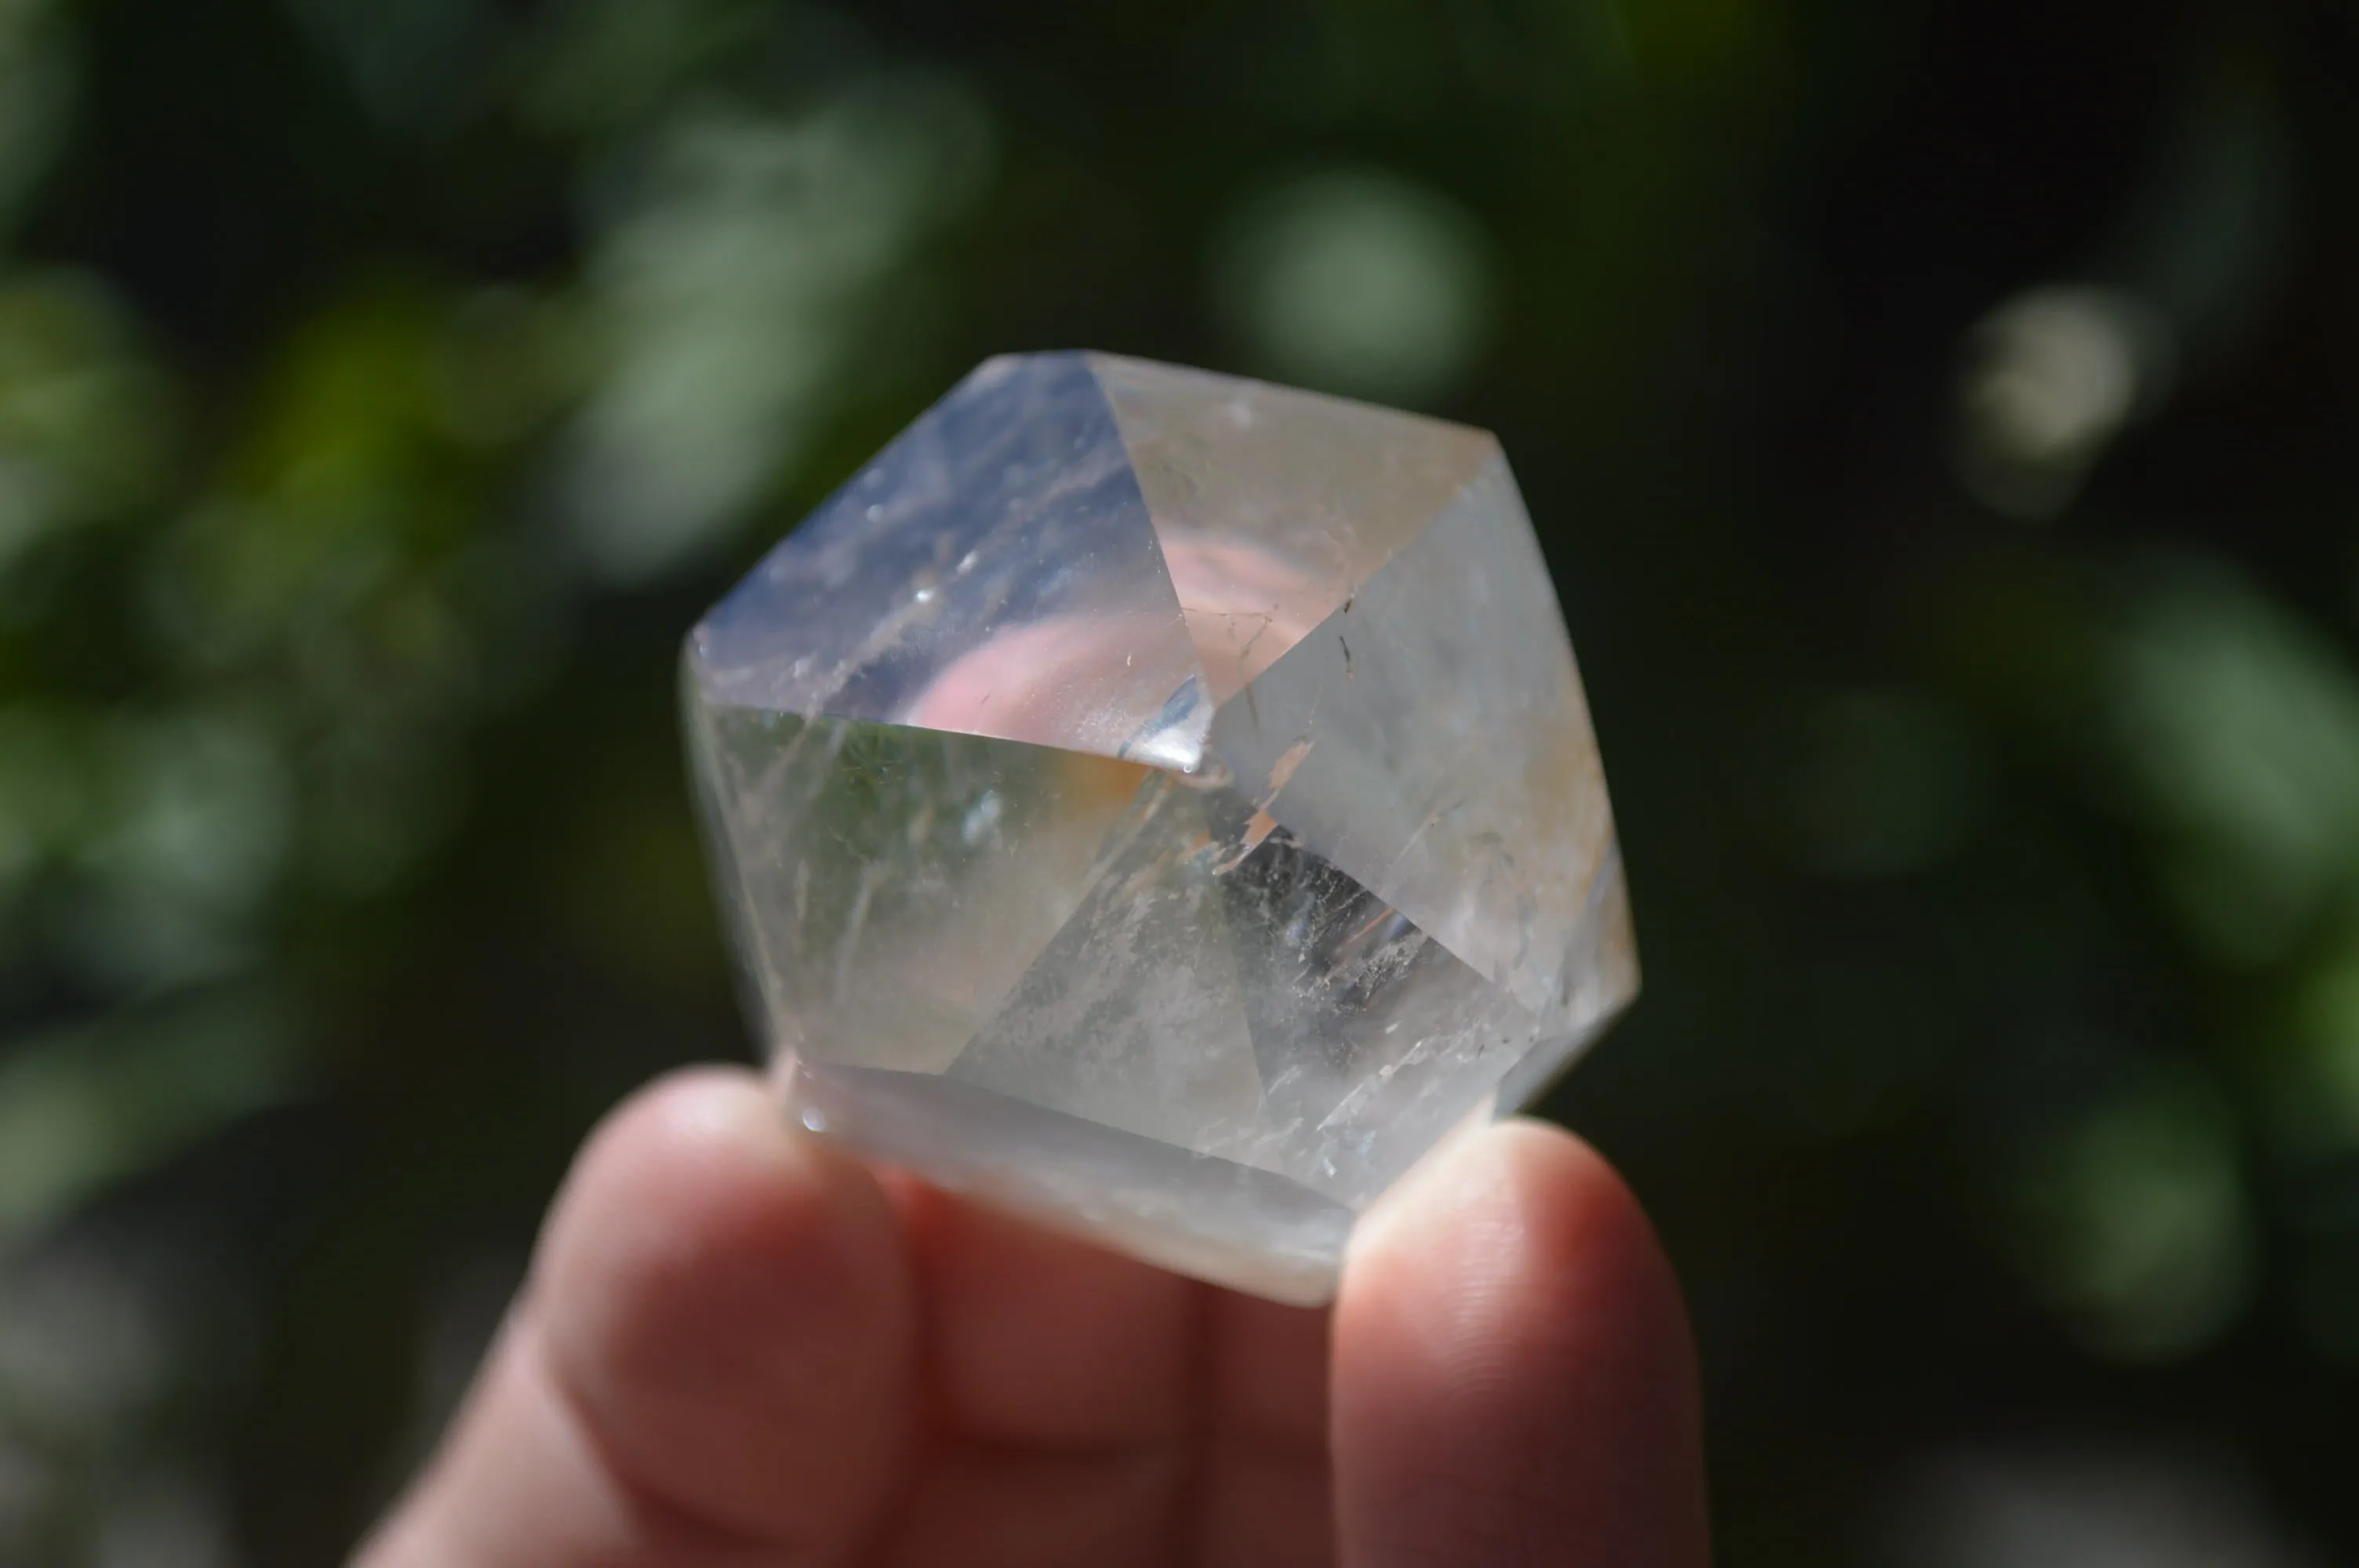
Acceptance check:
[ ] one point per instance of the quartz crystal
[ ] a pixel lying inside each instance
(1161, 805)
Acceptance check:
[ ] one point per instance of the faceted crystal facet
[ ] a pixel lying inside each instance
(1162, 804)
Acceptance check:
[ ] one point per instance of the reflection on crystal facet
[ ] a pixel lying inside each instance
(1164, 805)
(998, 548)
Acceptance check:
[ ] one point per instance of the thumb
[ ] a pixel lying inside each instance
(1514, 1378)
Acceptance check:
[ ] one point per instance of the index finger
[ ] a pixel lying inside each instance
(714, 1361)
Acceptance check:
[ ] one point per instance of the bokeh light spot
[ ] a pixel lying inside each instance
(1357, 281)
(2051, 376)
(2134, 1221)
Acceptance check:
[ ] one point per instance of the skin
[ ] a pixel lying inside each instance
(739, 1346)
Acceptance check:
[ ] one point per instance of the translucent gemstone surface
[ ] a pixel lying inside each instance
(1163, 804)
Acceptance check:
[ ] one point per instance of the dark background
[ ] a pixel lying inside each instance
(1938, 416)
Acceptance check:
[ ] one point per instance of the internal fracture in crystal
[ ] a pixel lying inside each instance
(1162, 804)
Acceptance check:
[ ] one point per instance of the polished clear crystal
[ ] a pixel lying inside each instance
(1163, 804)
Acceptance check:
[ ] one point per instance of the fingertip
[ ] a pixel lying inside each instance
(686, 1117)
(726, 1301)
(698, 1186)
(1514, 1366)
(1521, 1197)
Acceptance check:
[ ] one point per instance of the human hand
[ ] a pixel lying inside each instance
(739, 1346)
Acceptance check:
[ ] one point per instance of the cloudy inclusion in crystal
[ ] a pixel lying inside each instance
(1163, 804)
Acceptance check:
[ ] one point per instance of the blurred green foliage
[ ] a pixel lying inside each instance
(1937, 416)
